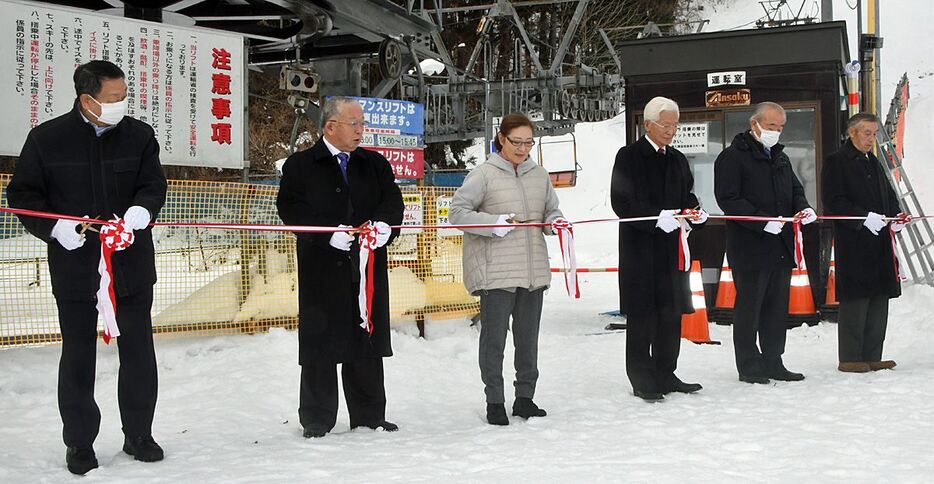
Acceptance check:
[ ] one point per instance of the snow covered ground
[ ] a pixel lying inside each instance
(227, 412)
(227, 406)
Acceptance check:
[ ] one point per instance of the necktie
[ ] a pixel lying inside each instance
(343, 158)
(661, 151)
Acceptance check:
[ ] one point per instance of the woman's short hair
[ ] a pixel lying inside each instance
(510, 122)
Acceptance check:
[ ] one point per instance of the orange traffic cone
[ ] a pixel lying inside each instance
(831, 307)
(726, 295)
(831, 298)
(694, 327)
(800, 300)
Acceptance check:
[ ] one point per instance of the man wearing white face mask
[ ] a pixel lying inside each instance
(94, 161)
(753, 177)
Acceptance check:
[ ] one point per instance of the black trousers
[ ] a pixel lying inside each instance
(363, 390)
(653, 342)
(137, 380)
(761, 310)
(861, 328)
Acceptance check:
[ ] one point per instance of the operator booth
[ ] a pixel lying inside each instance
(717, 79)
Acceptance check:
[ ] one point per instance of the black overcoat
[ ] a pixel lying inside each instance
(749, 182)
(66, 168)
(646, 254)
(313, 192)
(852, 184)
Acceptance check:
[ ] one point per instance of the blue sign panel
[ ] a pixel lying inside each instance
(392, 115)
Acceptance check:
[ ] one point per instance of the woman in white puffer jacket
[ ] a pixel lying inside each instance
(508, 266)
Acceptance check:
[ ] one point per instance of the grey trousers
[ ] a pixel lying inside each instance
(861, 328)
(496, 306)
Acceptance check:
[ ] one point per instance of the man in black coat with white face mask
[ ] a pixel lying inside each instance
(94, 161)
(753, 177)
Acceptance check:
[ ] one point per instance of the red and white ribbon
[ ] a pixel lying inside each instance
(367, 241)
(568, 258)
(114, 237)
(799, 246)
(684, 250)
(900, 272)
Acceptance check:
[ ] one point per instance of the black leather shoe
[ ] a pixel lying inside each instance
(782, 374)
(649, 396)
(754, 379)
(526, 408)
(314, 432)
(385, 426)
(496, 414)
(143, 448)
(80, 460)
(676, 385)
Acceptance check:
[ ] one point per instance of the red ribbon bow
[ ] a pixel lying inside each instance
(114, 237)
(366, 236)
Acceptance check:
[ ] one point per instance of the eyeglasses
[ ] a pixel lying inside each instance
(519, 143)
(352, 124)
(666, 127)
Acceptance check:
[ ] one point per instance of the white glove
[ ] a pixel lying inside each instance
(698, 216)
(903, 220)
(806, 216)
(136, 218)
(341, 240)
(774, 227)
(64, 233)
(666, 221)
(382, 233)
(874, 222)
(502, 231)
(559, 224)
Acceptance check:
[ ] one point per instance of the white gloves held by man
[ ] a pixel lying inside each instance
(383, 231)
(136, 218)
(503, 220)
(874, 222)
(342, 240)
(667, 222)
(774, 227)
(806, 216)
(64, 233)
(696, 216)
(903, 220)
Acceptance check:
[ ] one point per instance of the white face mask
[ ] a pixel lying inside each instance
(768, 138)
(111, 113)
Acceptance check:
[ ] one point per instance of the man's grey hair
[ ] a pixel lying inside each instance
(764, 106)
(333, 106)
(859, 118)
(657, 105)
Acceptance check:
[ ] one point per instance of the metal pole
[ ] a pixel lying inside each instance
(826, 11)
(877, 60)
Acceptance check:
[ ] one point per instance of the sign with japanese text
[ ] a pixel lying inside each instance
(730, 78)
(691, 138)
(392, 140)
(730, 97)
(187, 83)
(413, 212)
(443, 207)
(406, 163)
(391, 114)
